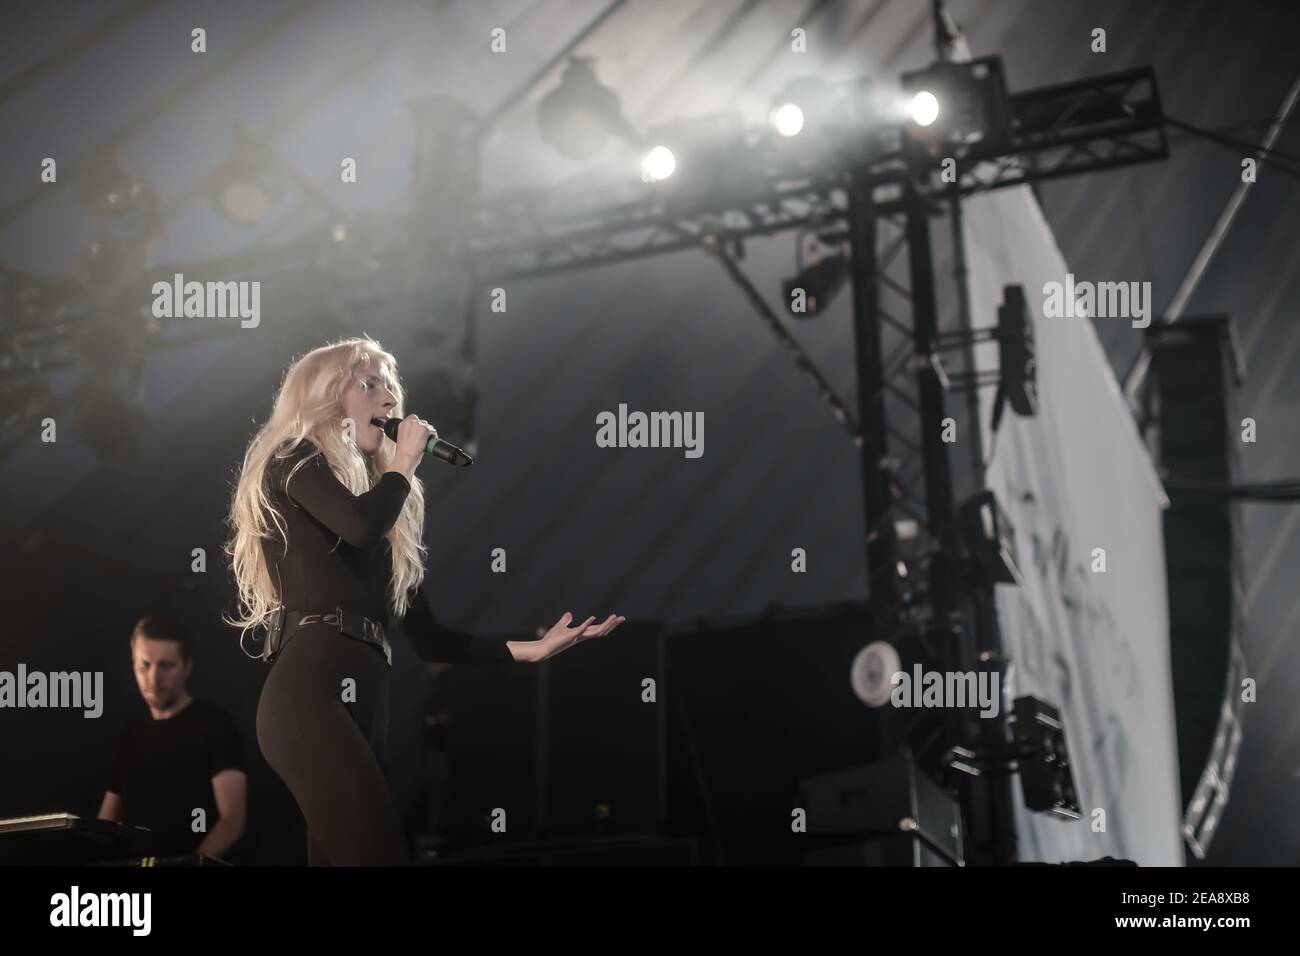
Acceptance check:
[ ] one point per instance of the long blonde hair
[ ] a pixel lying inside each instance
(309, 405)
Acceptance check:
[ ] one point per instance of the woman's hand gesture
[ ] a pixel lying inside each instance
(561, 637)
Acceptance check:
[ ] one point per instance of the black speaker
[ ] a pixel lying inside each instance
(759, 704)
(574, 746)
(1195, 366)
(743, 711)
(1017, 352)
(888, 813)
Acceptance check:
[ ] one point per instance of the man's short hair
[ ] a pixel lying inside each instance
(165, 627)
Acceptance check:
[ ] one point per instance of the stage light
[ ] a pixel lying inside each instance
(923, 108)
(871, 674)
(245, 187)
(813, 109)
(989, 538)
(787, 119)
(818, 283)
(658, 164)
(704, 157)
(958, 105)
(1046, 778)
(579, 116)
(245, 202)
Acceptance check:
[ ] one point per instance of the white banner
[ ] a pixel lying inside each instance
(1081, 491)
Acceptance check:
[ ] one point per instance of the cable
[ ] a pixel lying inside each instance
(1246, 124)
(1272, 156)
(1232, 140)
(1183, 295)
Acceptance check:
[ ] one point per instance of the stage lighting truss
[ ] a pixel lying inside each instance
(758, 185)
(1071, 128)
(730, 184)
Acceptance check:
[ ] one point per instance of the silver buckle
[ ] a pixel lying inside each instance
(336, 618)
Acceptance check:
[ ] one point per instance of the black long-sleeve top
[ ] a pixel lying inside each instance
(339, 554)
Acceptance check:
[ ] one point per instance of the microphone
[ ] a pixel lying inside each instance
(436, 446)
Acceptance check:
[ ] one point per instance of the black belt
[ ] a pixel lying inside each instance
(358, 626)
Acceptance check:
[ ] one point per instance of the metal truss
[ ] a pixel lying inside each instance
(1072, 128)
(1069, 129)
(516, 237)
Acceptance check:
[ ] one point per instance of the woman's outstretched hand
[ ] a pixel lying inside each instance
(561, 637)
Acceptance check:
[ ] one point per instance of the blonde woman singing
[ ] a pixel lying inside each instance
(326, 527)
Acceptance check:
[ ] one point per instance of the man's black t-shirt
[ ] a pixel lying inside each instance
(164, 768)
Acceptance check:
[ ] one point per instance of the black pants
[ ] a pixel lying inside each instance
(325, 739)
